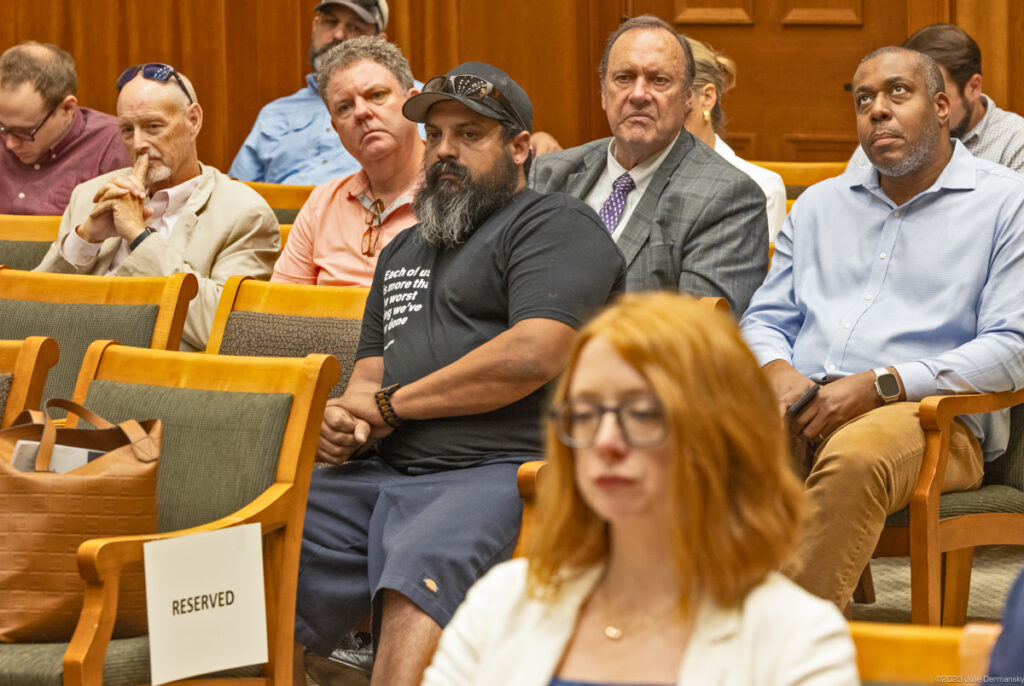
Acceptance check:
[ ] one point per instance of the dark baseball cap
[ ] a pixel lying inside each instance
(481, 87)
(372, 11)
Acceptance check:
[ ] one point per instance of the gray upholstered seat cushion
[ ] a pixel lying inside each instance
(282, 335)
(23, 254)
(985, 499)
(219, 449)
(5, 390)
(126, 664)
(74, 326)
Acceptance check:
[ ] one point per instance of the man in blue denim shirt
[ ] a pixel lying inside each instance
(891, 283)
(292, 140)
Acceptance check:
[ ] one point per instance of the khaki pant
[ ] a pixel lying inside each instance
(863, 472)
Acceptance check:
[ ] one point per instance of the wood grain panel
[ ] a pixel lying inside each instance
(823, 12)
(810, 147)
(714, 12)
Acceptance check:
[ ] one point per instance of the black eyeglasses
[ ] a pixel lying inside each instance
(374, 218)
(474, 88)
(154, 71)
(641, 419)
(29, 136)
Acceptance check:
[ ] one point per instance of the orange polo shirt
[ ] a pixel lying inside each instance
(324, 246)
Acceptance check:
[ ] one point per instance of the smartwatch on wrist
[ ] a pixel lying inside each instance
(387, 412)
(886, 385)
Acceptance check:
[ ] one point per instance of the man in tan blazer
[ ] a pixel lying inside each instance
(168, 213)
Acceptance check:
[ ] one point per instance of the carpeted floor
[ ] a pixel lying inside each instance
(994, 571)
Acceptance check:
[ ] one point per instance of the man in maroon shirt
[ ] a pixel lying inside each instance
(50, 144)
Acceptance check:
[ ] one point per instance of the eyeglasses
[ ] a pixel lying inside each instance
(374, 218)
(154, 71)
(474, 88)
(641, 420)
(29, 136)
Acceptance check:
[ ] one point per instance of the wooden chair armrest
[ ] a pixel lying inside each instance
(526, 478)
(100, 561)
(936, 414)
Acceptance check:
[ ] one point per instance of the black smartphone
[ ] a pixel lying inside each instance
(794, 409)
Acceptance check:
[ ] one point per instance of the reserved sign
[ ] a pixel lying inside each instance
(205, 603)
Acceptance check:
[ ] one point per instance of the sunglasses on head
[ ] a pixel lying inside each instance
(154, 71)
(474, 88)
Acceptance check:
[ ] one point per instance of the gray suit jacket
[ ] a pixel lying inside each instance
(226, 228)
(700, 226)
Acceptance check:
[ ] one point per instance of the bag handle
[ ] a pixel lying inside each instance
(79, 411)
(132, 430)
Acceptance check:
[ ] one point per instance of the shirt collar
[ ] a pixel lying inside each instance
(958, 174)
(360, 192)
(979, 128)
(311, 83)
(641, 173)
(69, 137)
(172, 200)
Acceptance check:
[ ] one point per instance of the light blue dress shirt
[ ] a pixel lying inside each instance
(934, 287)
(293, 142)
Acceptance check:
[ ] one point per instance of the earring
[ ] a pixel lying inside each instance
(707, 115)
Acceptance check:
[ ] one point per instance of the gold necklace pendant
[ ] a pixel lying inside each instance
(612, 633)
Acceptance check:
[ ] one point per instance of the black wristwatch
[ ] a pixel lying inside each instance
(886, 385)
(387, 412)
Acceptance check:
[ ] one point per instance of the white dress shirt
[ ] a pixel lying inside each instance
(641, 175)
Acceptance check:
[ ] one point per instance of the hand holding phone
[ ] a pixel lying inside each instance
(804, 400)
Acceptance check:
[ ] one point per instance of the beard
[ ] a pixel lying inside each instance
(960, 130)
(316, 53)
(915, 156)
(449, 210)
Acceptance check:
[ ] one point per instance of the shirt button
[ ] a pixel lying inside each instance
(21, 196)
(36, 166)
(831, 367)
(846, 325)
(882, 256)
(867, 297)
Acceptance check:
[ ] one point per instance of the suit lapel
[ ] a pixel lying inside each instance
(638, 228)
(579, 183)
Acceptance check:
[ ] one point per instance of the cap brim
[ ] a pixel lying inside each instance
(361, 12)
(416, 107)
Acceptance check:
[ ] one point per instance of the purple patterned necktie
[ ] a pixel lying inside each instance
(612, 209)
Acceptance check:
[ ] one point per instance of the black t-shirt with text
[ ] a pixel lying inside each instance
(546, 256)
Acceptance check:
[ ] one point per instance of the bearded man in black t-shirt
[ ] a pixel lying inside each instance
(470, 316)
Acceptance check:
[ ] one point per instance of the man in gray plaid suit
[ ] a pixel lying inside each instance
(682, 216)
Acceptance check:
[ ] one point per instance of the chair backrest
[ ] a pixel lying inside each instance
(23, 369)
(915, 654)
(277, 319)
(77, 310)
(284, 199)
(799, 175)
(1009, 468)
(24, 239)
(285, 230)
(232, 426)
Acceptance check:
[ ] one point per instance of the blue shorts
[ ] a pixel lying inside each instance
(428, 536)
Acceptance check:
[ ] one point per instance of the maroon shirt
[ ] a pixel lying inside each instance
(92, 146)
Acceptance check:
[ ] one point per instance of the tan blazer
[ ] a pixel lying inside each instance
(226, 228)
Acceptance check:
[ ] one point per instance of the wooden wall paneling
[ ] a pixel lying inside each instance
(988, 24)
(266, 56)
(925, 12)
(428, 33)
(824, 12)
(532, 40)
(713, 12)
(810, 147)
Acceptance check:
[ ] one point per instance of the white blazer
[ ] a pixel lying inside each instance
(780, 635)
